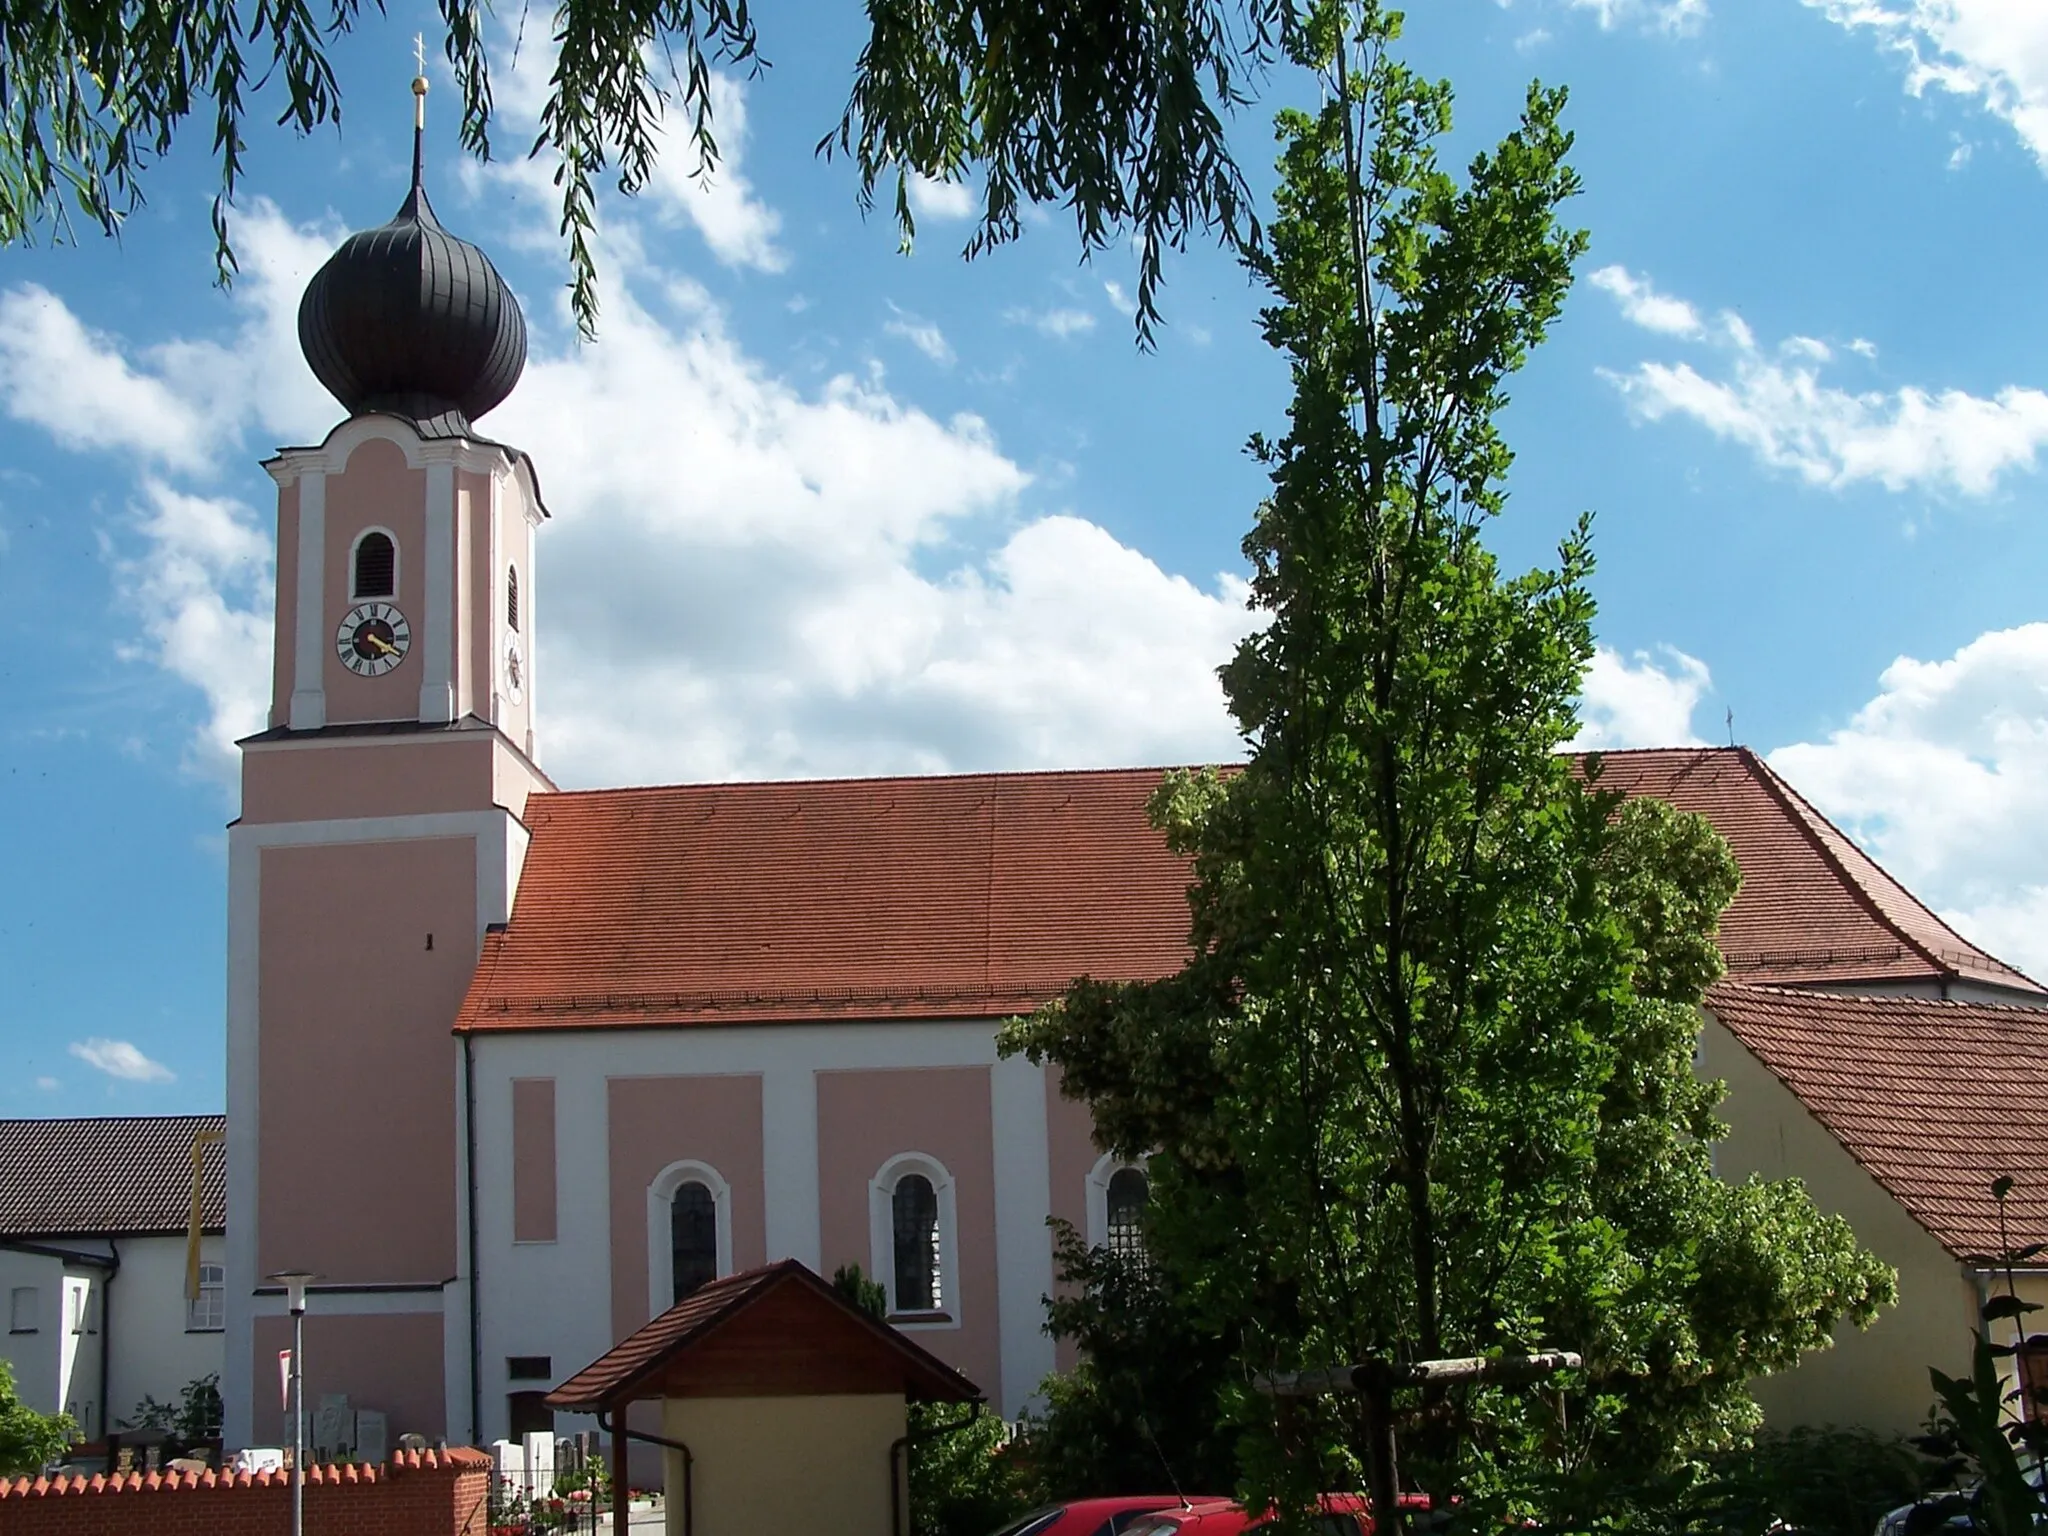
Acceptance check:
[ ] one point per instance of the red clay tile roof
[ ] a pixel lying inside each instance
(982, 896)
(630, 1368)
(1813, 906)
(962, 897)
(125, 1174)
(1934, 1099)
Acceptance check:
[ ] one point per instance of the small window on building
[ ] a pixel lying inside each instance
(511, 597)
(1128, 1193)
(207, 1312)
(23, 1303)
(914, 1209)
(693, 1237)
(527, 1413)
(84, 1318)
(530, 1367)
(376, 569)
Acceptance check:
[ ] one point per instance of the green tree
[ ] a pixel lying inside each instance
(1141, 1411)
(29, 1441)
(1425, 1087)
(1114, 108)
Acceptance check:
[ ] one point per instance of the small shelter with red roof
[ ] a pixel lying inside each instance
(783, 1406)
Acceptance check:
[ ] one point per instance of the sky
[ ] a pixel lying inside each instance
(822, 507)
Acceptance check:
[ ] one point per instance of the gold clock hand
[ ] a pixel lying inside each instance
(382, 644)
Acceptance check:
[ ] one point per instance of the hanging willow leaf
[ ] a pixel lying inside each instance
(1113, 108)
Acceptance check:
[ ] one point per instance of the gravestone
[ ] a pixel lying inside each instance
(373, 1435)
(539, 1454)
(333, 1428)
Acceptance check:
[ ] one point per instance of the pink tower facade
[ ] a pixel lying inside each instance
(380, 834)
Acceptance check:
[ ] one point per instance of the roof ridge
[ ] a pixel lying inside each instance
(993, 775)
(1873, 1000)
(1815, 826)
(208, 1114)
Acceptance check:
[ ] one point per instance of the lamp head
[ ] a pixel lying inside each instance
(294, 1282)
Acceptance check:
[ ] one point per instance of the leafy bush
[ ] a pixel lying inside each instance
(29, 1441)
(194, 1418)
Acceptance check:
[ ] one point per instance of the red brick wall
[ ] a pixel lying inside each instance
(415, 1494)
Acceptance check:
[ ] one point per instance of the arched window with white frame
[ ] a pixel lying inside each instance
(689, 1232)
(512, 598)
(914, 1241)
(1118, 1193)
(373, 565)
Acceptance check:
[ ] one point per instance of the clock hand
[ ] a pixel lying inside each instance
(382, 644)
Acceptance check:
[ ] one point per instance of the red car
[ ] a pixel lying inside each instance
(1342, 1514)
(1101, 1517)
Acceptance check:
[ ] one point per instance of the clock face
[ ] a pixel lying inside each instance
(372, 639)
(515, 670)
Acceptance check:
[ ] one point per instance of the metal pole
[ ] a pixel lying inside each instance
(295, 1282)
(299, 1414)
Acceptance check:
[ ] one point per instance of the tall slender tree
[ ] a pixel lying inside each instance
(1425, 1088)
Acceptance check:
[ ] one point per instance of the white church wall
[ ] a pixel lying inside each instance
(556, 1298)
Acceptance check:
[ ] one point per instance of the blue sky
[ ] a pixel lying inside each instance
(824, 508)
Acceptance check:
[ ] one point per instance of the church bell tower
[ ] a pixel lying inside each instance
(380, 831)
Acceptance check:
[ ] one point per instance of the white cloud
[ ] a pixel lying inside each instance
(1058, 323)
(1944, 776)
(807, 598)
(744, 577)
(117, 1058)
(1781, 411)
(1643, 305)
(739, 228)
(73, 383)
(178, 404)
(1640, 700)
(940, 201)
(48, 1084)
(1992, 51)
(922, 334)
(1119, 300)
(1678, 18)
(197, 576)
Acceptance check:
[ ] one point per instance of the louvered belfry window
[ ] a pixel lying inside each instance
(376, 566)
(693, 1233)
(511, 597)
(914, 1207)
(1128, 1193)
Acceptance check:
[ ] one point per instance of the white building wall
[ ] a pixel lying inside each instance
(81, 1349)
(153, 1352)
(36, 1358)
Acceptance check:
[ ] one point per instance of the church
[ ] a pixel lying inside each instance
(512, 1069)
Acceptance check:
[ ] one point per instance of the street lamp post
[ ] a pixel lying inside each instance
(295, 1282)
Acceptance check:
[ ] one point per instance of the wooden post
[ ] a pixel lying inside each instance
(622, 1500)
(1383, 1470)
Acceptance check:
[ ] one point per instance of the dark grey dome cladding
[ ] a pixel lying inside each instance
(408, 319)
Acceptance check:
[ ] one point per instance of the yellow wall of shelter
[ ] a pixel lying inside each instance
(765, 1463)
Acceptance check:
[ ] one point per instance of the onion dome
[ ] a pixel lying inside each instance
(407, 319)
